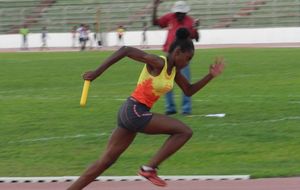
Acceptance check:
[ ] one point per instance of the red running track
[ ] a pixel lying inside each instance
(292, 183)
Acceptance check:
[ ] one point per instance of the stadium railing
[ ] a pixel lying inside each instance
(62, 15)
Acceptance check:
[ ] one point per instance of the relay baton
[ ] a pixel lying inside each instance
(84, 94)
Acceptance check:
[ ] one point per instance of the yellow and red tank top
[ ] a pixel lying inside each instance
(150, 88)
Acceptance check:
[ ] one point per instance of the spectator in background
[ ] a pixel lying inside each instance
(44, 36)
(97, 36)
(83, 36)
(24, 31)
(120, 33)
(90, 36)
(73, 31)
(178, 18)
(98, 39)
(144, 35)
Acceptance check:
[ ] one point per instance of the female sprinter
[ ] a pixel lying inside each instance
(134, 116)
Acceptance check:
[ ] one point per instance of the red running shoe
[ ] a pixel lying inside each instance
(152, 177)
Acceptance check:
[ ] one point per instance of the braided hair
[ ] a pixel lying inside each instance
(183, 41)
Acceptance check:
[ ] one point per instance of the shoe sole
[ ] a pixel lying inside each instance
(160, 185)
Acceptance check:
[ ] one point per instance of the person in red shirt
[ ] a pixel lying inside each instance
(178, 18)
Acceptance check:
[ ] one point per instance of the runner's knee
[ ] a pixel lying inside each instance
(188, 132)
(185, 132)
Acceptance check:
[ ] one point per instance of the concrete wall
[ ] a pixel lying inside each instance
(208, 37)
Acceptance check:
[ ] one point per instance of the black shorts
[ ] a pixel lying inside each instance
(134, 115)
(83, 39)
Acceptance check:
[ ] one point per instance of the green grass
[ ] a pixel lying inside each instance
(44, 132)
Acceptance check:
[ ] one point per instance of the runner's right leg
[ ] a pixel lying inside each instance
(179, 135)
(118, 143)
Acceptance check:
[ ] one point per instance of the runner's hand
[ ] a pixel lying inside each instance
(89, 75)
(217, 68)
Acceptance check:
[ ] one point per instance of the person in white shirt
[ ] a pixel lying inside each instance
(83, 36)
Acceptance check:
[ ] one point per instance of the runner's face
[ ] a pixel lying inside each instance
(182, 59)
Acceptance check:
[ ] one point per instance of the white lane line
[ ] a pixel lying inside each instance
(106, 134)
(209, 115)
(243, 76)
(120, 99)
(256, 122)
(294, 102)
(281, 119)
(58, 138)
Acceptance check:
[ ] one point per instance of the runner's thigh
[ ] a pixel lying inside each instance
(162, 124)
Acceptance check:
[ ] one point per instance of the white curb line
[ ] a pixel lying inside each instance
(120, 178)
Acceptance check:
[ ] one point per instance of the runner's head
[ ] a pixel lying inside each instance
(182, 49)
